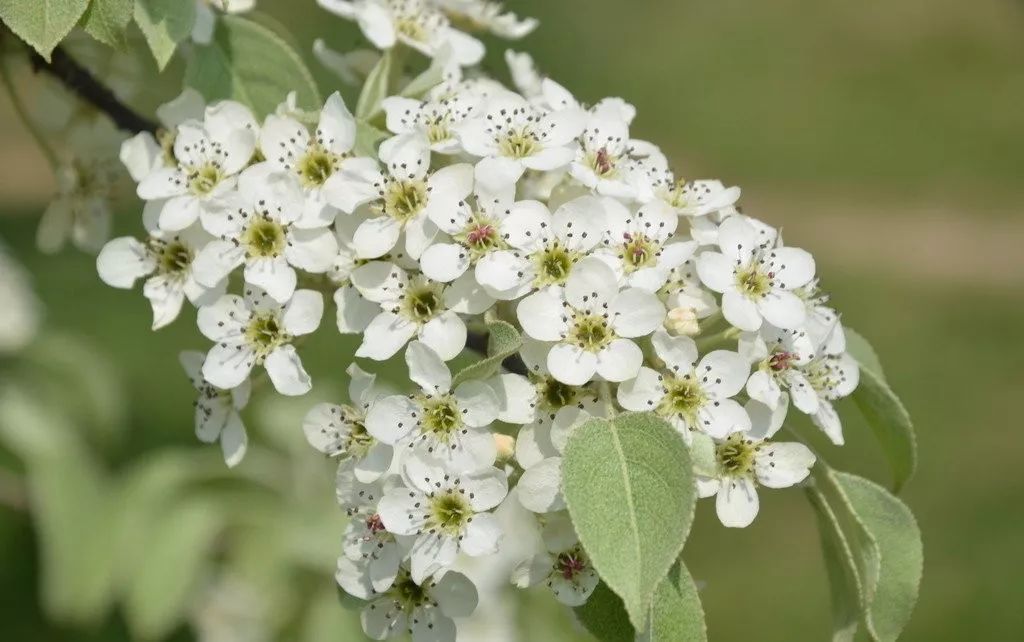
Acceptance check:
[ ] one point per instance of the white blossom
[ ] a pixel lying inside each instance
(216, 416)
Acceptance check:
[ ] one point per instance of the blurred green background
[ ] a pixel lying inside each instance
(886, 136)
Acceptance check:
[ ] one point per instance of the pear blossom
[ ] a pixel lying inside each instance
(446, 512)
(208, 157)
(592, 324)
(485, 15)
(256, 330)
(167, 259)
(371, 556)
(145, 153)
(216, 417)
(340, 430)
(604, 161)
(832, 377)
(778, 357)
(422, 609)
(434, 119)
(450, 425)
(691, 394)
(822, 322)
(756, 280)
(744, 463)
(406, 197)
(564, 567)
(693, 198)
(543, 249)
(263, 235)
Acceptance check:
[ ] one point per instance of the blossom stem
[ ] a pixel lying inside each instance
(19, 108)
(604, 389)
(82, 83)
(718, 340)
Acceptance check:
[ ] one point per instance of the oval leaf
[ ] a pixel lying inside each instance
(164, 23)
(251, 64)
(42, 23)
(375, 90)
(107, 21)
(502, 342)
(676, 612)
(605, 616)
(844, 581)
(630, 490)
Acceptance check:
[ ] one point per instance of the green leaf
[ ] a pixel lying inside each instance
(844, 581)
(630, 489)
(702, 451)
(502, 341)
(107, 21)
(367, 137)
(676, 612)
(863, 352)
(375, 89)
(878, 542)
(160, 590)
(70, 504)
(42, 23)
(164, 23)
(605, 616)
(251, 64)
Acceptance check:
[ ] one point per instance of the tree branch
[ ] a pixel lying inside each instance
(82, 83)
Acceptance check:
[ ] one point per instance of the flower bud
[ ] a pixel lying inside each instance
(506, 446)
(682, 321)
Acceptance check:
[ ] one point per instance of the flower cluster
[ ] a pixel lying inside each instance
(633, 289)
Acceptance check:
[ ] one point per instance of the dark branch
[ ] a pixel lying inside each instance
(477, 342)
(81, 82)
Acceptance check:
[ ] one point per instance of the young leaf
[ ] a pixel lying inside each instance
(251, 64)
(42, 23)
(876, 545)
(630, 490)
(605, 616)
(883, 411)
(107, 21)
(503, 341)
(375, 90)
(164, 23)
(844, 581)
(676, 612)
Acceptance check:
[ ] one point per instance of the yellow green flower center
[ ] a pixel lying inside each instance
(683, 398)
(441, 417)
(449, 512)
(265, 334)
(638, 251)
(590, 332)
(736, 456)
(204, 179)
(422, 301)
(404, 199)
(553, 265)
(264, 238)
(316, 166)
(174, 258)
(753, 282)
(518, 143)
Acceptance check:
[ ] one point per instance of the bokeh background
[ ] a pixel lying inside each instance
(886, 136)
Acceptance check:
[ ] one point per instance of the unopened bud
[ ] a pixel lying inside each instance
(506, 446)
(682, 321)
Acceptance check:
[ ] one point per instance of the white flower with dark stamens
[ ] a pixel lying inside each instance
(423, 609)
(256, 330)
(340, 430)
(539, 452)
(684, 291)
(446, 511)
(145, 153)
(485, 15)
(744, 463)
(315, 159)
(354, 311)
(417, 23)
(778, 357)
(822, 322)
(208, 156)
(832, 377)
(543, 249)
(405, 197)
(371, 556)
(167, 259)
(217, 410)
(262, 234)
(416, 307)
(448, 425)
(638, 246)
(592, 324)
(564, 567)
(512, 136)
(603, 162)
(756, 279)
(434, 119)
(691, 395)
(693, 198)
(475, 229)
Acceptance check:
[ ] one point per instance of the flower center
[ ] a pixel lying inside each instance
(264, 238)
(404, 199)
(736, 456)
(265, 334)
(590, 332)
(422, 302)
(441, 417)
(554, 394)
(638, 251)
(316, 166)
(449, 512)
(407, 593)
(374, 524)
(480, 236)
(571, 563)
(553, 265)
(753, 282)
(437, 130)
(781, 361)
(175, 257)
(204, 179)
(602, 162)
(683, 397)
(359, 440)
(518, 143)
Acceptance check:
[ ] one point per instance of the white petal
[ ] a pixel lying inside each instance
(783, 309)
(391, 418)
(466, 296)
(636, 312)
(376, 236)
(723, 417)
(542, 315)
(481, 536)
(375, 464)
(738, 239)
(354, 312)
(337, 127)
(722, 373)
(166, 297)
(302, 314)
(446, 334)
(216, 261)
(496, 173)
(591, 285)
(569, 364)
(766, 421)
(517, 398)
(455, 594)
(233, 440)
(431, 553)
(678, 353)
(178, 213)
(580, 223)
(478, 403)
(783, 464)
(385, 336)
(641, 393)
(358, 182)
(407, 156)
(716, 271)
(741, 311)
(272, 275)
(487, 487)
(792, 267)
(420, 232)
(227, 365)
(444, 261)
(427, 369)
(395, 509)
(225, 319)
(540, 486)
(619, 360)
(312, 250)
(286, 372)
(500, 270)
(122, 261)
(737, 502)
